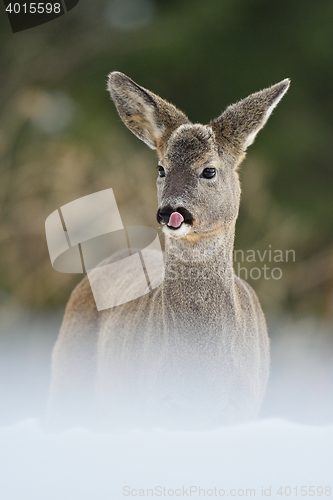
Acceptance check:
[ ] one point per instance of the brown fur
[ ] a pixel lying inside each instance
(195, 350)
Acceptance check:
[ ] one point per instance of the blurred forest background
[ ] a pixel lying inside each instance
(61, 138)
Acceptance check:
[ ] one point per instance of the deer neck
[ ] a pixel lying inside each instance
(209, 257)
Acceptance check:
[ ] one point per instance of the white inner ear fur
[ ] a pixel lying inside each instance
(252, 135)
(154, 131)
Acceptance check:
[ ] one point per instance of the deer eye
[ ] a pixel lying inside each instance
(161, 171)
(208, 173)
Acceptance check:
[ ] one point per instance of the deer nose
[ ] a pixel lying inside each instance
(177, 216)
(163, 215)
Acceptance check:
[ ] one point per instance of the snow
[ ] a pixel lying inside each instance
(291, 446)
(78, 464)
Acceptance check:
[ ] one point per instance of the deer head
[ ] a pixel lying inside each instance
(198, 185)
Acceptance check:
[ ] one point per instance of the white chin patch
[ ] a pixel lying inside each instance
(177, 233)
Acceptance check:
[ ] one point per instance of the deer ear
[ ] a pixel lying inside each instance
(148, 116)
(239, 123)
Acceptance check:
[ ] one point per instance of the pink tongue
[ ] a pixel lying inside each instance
(175, 219)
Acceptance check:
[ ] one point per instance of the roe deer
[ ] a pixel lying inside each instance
(195, 350)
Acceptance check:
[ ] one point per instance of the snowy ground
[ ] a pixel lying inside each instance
(288, 452)
(255, 459)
